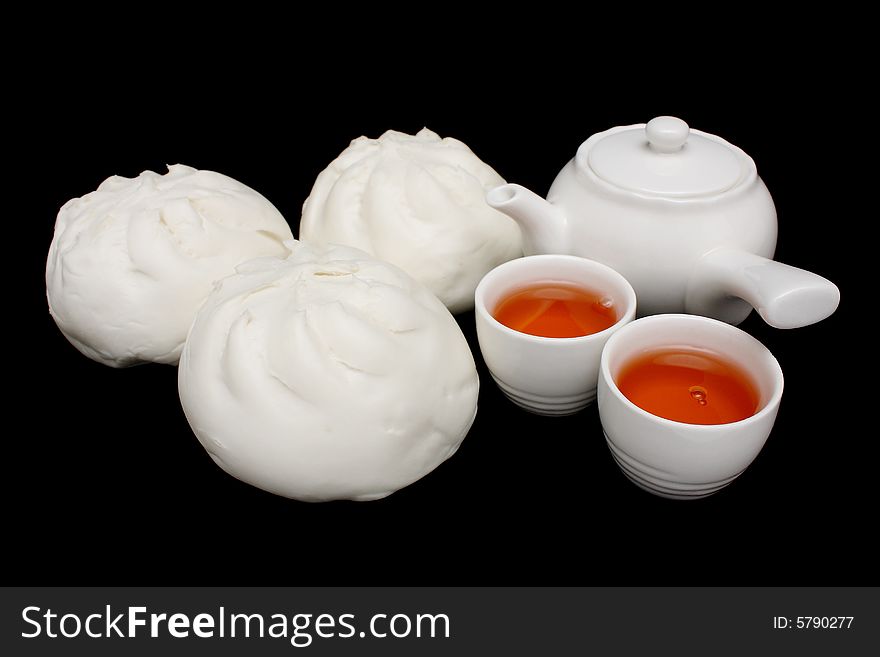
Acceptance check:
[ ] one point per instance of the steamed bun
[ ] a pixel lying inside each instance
(131, 262)
(325, 375)
(416, 201)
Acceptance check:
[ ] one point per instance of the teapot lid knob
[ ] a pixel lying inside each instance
(667, 134)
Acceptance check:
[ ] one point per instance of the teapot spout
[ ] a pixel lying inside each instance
(784, 296)
(543, 225)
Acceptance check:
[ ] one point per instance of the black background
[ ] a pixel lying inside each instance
(105, 482)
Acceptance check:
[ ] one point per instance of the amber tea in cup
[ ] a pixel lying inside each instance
(686, 402)
(553, 309)
(691, 385)
(542, 322)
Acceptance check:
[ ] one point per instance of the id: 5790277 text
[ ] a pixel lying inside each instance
(812, 622)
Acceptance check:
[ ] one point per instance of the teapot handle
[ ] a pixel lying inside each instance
(786, 297)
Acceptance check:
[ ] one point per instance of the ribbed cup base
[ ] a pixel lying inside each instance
(641, 476)
(541, 405)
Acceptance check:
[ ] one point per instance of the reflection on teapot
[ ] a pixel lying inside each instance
(682, 214)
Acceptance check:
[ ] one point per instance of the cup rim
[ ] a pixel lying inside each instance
(769, 407)
(627, 316)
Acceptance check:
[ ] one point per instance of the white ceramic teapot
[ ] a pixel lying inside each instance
(682, 214)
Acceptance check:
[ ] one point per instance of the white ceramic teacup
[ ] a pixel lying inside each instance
(674, 459)
(548, 376)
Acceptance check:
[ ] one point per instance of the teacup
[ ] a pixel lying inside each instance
(548, 375)
(675, 459)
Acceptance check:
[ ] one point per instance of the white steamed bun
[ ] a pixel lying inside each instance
(326, 375)
(131, 262)
(416, 201)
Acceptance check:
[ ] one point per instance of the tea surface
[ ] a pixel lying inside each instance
(556, 310)
(685, 385)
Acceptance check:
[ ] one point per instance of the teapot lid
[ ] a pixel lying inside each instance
(666, 158)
